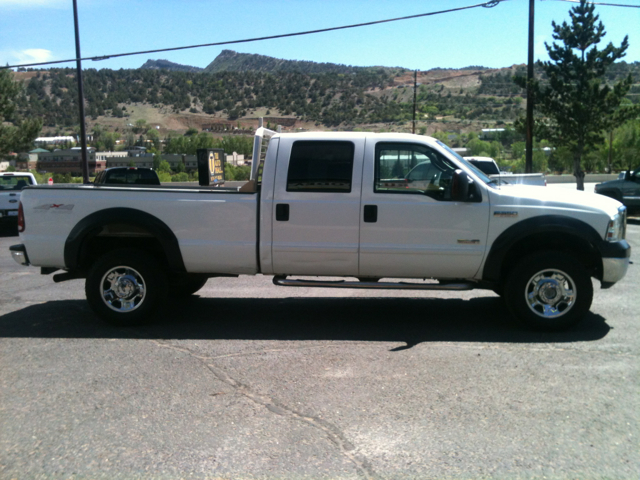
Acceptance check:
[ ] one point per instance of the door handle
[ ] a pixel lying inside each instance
(370, 213)
(282, 212)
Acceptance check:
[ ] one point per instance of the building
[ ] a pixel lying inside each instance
(70, 161)
(235, 159)
(490, 133)
(60, 140)
(105, 156)
(127, 161)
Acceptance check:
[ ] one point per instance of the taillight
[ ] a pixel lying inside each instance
(21, 223)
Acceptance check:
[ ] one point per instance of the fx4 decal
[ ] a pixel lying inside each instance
(55, 207)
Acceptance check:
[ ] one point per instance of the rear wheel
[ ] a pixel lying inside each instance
(126, 287)
(549, 291)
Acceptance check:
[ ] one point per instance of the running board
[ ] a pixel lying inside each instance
(281, 280)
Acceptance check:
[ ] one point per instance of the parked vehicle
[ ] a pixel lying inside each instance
(11, 185)
(625, 190)
(489, 166)
(127, 176)
(332, 205)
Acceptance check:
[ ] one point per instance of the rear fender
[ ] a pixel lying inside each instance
(92, 225)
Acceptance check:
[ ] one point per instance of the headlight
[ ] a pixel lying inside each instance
(617, 226)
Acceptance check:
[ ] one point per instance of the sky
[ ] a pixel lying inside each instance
(42, 30)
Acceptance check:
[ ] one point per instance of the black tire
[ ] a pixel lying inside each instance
(549, 291)
(126, 287)
(186, 285)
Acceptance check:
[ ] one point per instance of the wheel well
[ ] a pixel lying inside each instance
(573, 245)
(116, 236)
(106, 230)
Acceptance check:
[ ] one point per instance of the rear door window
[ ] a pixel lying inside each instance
(321, 166)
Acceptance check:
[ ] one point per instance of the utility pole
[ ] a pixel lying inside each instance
(83, 128)
(415, 88)
(528, 165)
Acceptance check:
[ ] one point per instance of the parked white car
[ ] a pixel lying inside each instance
(11, 185)
(488, 166)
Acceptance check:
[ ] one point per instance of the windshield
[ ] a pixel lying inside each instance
(481, 175)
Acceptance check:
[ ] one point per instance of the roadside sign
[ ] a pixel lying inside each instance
(210, 166)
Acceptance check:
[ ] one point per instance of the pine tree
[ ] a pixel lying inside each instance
(19, 135)
(577, 106)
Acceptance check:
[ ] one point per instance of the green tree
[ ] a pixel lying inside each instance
(626, 146)
(141, 126)
(15, 134)
(180, 168)
(577, 106)
(164, 167)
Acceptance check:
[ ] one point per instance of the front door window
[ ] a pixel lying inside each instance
(413, 169)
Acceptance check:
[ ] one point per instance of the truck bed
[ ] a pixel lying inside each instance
(216, 228)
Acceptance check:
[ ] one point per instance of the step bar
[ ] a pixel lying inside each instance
(281, 280)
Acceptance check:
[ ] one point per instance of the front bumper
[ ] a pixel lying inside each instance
(613, 270)
(19, 254)
(615, 262)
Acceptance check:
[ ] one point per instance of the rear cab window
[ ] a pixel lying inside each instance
(14, 182)
(129, 177)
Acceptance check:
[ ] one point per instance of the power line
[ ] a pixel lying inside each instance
(488, 4)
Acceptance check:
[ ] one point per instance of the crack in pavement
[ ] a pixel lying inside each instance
(334, 435)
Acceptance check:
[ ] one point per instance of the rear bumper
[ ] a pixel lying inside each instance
(19, 254)
(8, 214)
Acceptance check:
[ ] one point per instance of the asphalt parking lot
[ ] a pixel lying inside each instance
(249, 380)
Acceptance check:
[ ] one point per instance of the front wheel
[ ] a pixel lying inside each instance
(126, 287)
(549, 291)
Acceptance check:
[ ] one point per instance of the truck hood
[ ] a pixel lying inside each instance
(552, 198)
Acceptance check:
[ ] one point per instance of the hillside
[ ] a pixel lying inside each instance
(230, 61)
(178, 97)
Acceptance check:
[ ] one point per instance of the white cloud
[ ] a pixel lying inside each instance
(33, 55)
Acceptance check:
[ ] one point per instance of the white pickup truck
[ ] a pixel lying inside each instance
(11, 185)
(489, 166)
(382, 211)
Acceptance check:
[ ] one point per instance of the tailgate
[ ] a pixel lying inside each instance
(9, 200)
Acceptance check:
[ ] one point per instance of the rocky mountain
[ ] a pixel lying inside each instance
(167, 65)
(230, 61)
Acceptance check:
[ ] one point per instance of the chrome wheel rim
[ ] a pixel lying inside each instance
(123, 289)
(550, 293)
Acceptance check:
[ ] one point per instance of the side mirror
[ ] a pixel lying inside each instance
(460, 186)
(464, 189)
(627, 175)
